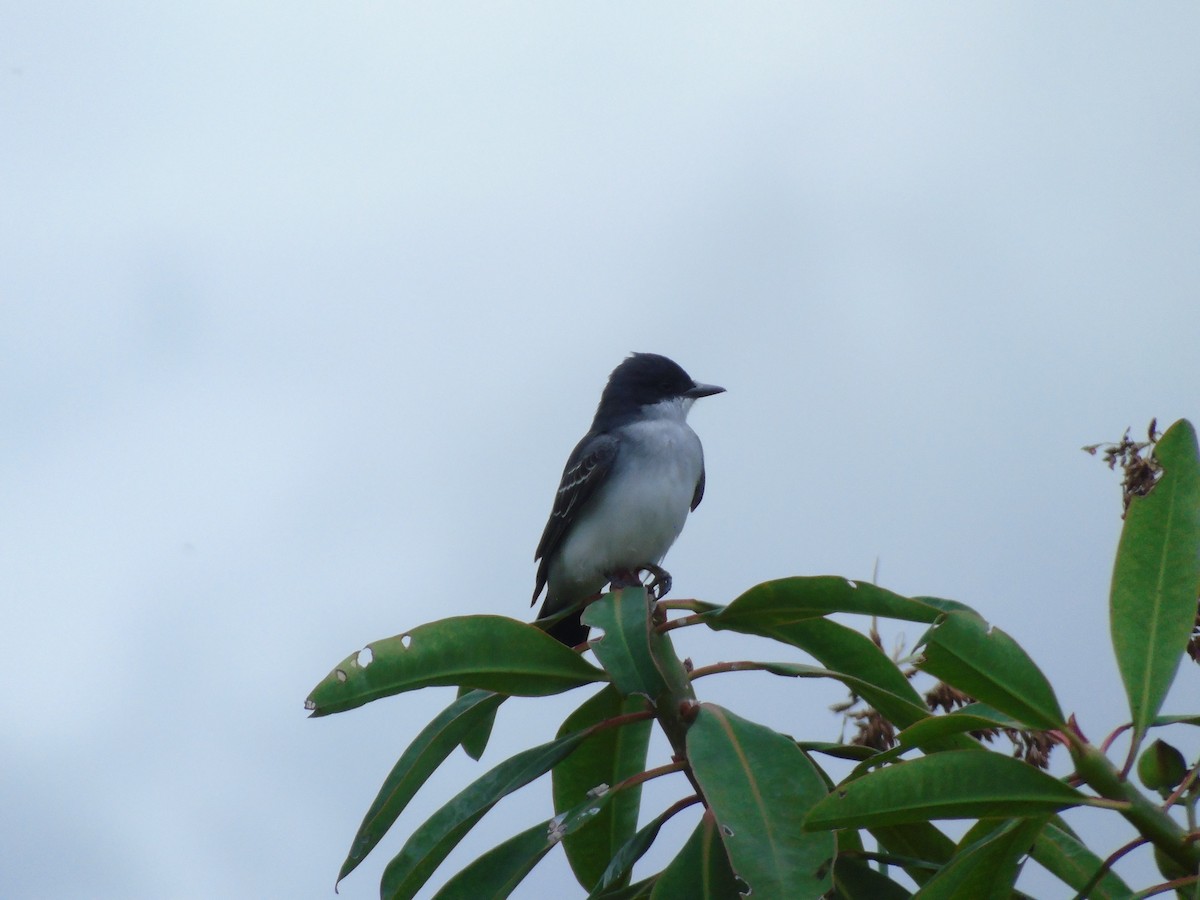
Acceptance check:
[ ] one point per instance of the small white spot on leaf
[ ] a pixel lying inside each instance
(853, 584)
(599, 790)
(555, 832)
(406, 641)
(727, 831)
(310, 705)
(339, 674)
(366, 656)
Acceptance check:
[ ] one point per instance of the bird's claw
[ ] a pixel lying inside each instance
(660, 581)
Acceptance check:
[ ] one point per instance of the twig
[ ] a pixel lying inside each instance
(1107, 865)
(1183, 788)
(1167, 886)
(680, 623)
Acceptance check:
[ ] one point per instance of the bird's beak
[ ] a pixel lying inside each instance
(698, 390)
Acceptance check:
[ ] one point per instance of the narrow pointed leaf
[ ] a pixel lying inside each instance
(625, 650)
(640, 891)
(427, 751)
(989, 665)
(954, 785)
(606, 758)
(475, 740)
(855, 752)
(1065, 856)
(902, 707)
(488, 652)
(496, 874)
(501, 869)
(987, 869)
(441, 832)
(921, 841)
(760, 786)
(1175, 720)
(701, 870)
(845, 650)
(619, 867)
(1156, 577)
(788, 600)
(974, 717)
(854, 879)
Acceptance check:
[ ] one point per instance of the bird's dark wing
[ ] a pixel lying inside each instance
(586, 469)
(699, 493)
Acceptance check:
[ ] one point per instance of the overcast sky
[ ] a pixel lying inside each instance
(303, 305)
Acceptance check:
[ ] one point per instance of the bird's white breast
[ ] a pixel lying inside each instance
(635, 517)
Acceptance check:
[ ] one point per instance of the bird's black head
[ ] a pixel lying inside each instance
(645, 379)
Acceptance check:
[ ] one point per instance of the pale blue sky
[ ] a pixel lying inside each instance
(303, 305)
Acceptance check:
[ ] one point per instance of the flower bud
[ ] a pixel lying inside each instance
(1161, 767)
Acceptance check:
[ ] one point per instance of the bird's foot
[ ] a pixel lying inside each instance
(624, 578)
(660, 581)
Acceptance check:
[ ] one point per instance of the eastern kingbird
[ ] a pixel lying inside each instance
(625, 491)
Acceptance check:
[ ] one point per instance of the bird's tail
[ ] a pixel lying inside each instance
(569, 629)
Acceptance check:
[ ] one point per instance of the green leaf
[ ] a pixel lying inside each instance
(441, 832)
(427, 751)
(488, 652)
(1156, 578)
(640, 891)
(1175, 720)
(475, 740)
(607, 757)
(788, 600)
(843, 649)
(854, 879)
(855, 752)
(617, 872)
(974, 717)
(701, 870)
(760, 786)
(904, 708)
(1065, 856)
(989, 665)
(496, 874)
(624, 650)
(958, 784)
(987, 869)
(917, 841)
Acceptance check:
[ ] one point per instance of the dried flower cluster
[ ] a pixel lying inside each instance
(1141, 472)
(1137, 462)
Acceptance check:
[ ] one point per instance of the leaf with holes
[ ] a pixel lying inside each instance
(493, 653)
(701, 870)
(787, 600)
(760, 786)
(1156, 577)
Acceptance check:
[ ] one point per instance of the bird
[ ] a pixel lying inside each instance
(625, 493)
